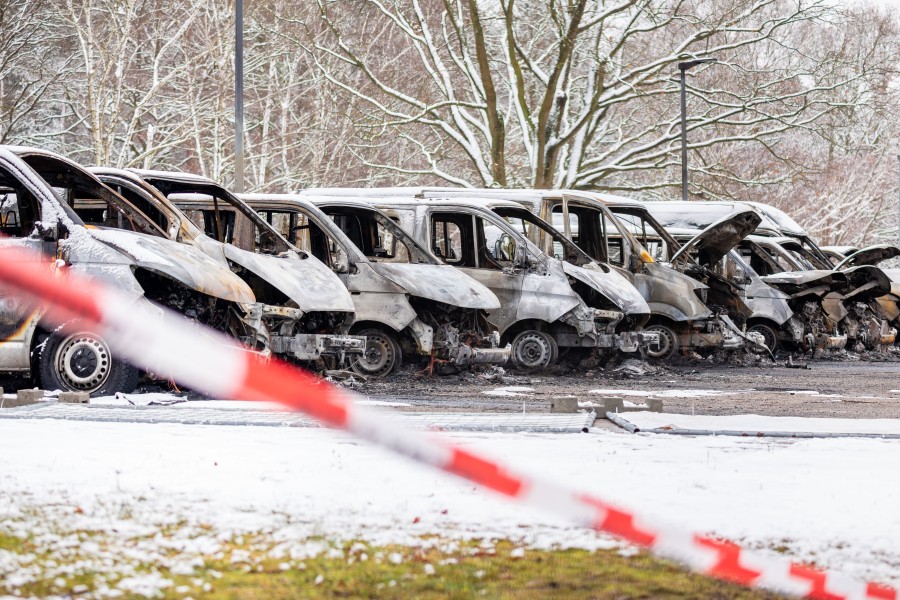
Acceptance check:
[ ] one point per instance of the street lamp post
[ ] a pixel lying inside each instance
(683, 67)
(239, 96)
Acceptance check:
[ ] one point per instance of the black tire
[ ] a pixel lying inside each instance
(78, 360)
(534, 349)
(770, 336)
(382, 356)
(668, 342)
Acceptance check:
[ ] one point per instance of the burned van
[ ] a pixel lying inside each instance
(807, 289)
(679, 312)
(540, 311)
(407, 303)
(710, 255)
(305, 308)
(40, 197)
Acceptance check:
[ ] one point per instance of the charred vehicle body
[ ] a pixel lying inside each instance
(849, 302)
(304, 307)
(836, 254)
(863, 307)
(43, 197)
(407, 303)
(677, 302)
(808, 289)
(540, 311)
(710, 255)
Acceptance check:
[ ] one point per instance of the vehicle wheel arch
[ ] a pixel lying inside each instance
(524, 325)
(390, 351)
(776, 330)
(670, 331)
(121, 376)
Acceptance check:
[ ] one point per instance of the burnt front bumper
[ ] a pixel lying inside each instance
(313, 346)
(469, 355)
(630, 341)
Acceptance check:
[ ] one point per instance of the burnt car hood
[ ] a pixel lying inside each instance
(871, 256)
(714, 242)
(441, 283)
(180, 262)
(612, 285)
(866, 282)
(793, 282)
(306, 281)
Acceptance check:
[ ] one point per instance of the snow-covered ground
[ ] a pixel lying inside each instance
(756, 423)
(831, 501)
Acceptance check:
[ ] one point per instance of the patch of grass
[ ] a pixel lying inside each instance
(470, 572)
(11, 544)
(254, 567)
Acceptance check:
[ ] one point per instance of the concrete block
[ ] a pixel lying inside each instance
(564, 405)
(654, 404)
(613, 405)
(74, 397)
(30, 396)
(617, 405)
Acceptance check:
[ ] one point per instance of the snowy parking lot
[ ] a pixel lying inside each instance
(169, 494)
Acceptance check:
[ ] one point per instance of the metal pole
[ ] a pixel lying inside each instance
(684, 168)
(898, 199)
(239, 96)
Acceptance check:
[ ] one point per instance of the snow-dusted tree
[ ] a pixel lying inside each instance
(129, 53)
(576, 93)
(27, 65)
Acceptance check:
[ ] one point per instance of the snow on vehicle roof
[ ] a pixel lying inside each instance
(690, 215)
(173, 175)
(444, 192)
(702, 214)
(785, 223)
(412, 201)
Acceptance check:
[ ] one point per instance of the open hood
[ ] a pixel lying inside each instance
(180, 262)
(441, 283)
(871, 255)
(306, 281)
(820, 282)
(718, 239)
(866, 282)
(613, 286)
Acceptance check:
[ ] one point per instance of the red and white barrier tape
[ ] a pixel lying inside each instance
(166, 342)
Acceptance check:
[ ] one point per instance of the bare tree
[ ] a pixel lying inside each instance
(576, 94)
(27, 66)
(130, 51)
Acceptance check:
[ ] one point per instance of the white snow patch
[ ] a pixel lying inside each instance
(653, 420)
(163, 398)
(625, 403)
(510, 390)
(381, 403)
(665, 393)
(812, 393)
(174, 400)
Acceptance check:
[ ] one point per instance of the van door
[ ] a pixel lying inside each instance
(484, 252)
(19, 213)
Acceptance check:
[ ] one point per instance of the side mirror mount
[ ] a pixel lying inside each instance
(635, 264)
(341, 262)
(740, 276)
(521, 257)
(47, 231)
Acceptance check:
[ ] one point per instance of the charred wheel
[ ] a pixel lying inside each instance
(534, 350)
(770, 337)
(668, 341)
(82, 362)
(382, 355)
